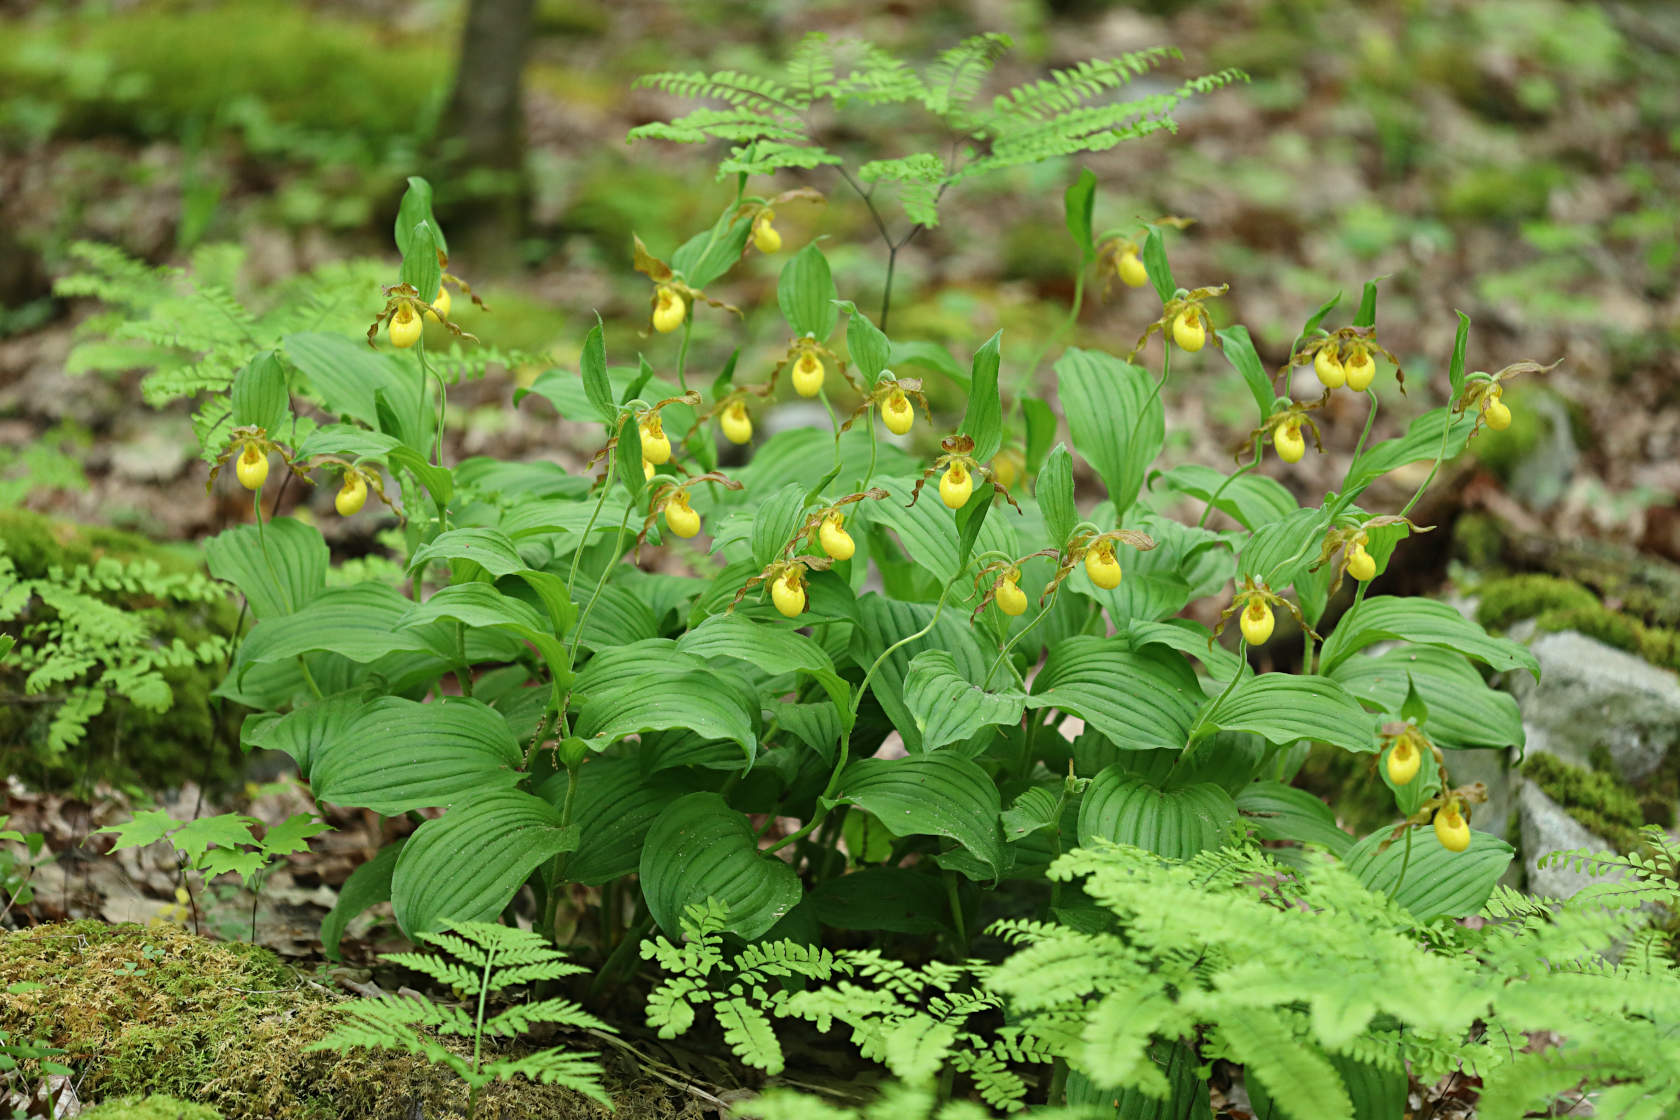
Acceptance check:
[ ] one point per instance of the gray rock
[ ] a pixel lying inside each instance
(1547, 828)
(1493, 770)
(1593, 696)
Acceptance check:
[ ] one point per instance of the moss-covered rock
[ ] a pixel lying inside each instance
(1601, 804)
(1558, 605)
(150, 1108)
(157, 1011)
(1503, 602)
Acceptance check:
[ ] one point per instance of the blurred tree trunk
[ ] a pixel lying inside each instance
(481, 143)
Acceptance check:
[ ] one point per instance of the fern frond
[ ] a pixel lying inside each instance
(559, 1012)
(451, 974)
(580, 1073)
(1066, 90)
(1271, 1051)
(768, 157)
(729, 86)
(954, 79)
(748, 1032)
(810, 71)
(739, 125)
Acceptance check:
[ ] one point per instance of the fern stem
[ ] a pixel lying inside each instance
(478, 1028)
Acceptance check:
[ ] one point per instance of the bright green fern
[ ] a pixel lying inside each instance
(768, 122)
(917, 1022)
(77, 647)
(478, 960)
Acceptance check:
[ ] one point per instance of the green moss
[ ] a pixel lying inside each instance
(124, 745)
(1511, 600)
(150, 1108)
(158, 69)
(1597, 621)
(1594, 798)
(158, 1011)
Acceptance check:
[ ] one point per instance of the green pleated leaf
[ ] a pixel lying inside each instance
(466, 865)
(420, 265)
(490, 549)
(927, 530)
(947, 707)
(866, 345)
(627, 459)
(278, 569)
(1188, 637)
(348, 379)
(1155, 262)
(711, 253)
(1455, 368)
(805, 291)
(1054, 491)
(891, 899)
(259, 395)
(618, 618)
(1437, 883)
(614, 807)
(1282, 550)
(1284, 707)
(883, 622)
(693, 701)
(772, 648)
(302, 731)
(983, 421)
(416, 207)
(1387, 618)
(358, 622)
(1077, 203)
(939, 794)
(1464, 713)
(1428, 436)
(1116, 417)
(1140, 699)
(1253, 499)
(398, 755)
(1239, 350)
(597, 386)
(700, 848)
(775, 521)
(1176, 823)
(367, 886)
(1281, 812)
(1036, 809)
(1188, 1099)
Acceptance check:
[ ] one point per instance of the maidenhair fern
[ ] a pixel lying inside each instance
(769, 125)
(1330, 995)
(1305, 976)
(478, 960)
(917, 1022)
(77, 647)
